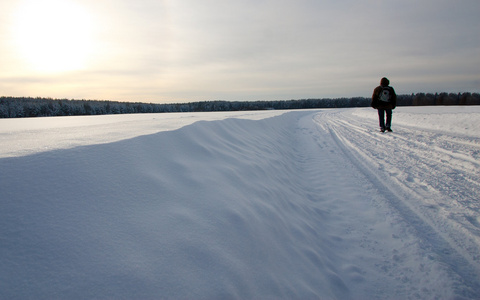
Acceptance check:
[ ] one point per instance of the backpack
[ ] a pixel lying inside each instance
(385, 94)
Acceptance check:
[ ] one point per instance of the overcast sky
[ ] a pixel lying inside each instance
(195, 50)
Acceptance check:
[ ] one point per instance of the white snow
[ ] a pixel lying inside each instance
(313, 204)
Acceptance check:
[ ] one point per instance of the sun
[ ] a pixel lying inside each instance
(53, 35)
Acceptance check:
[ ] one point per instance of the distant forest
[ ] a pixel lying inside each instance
(24, 107)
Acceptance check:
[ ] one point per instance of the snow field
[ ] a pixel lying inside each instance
(293, 205)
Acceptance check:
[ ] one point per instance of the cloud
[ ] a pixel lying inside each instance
(187, 50)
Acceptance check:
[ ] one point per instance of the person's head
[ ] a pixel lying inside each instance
(384, 81)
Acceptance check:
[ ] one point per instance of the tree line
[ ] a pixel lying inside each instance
(24, 107)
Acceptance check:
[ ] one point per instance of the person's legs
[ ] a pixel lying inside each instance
(389, 119)
(381, 118)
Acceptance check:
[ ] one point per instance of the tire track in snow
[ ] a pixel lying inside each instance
(448, 175)
(419, 180)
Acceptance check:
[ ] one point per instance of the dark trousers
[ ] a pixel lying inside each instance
(381, 118)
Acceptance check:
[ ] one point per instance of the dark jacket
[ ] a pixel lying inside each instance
(376, 103)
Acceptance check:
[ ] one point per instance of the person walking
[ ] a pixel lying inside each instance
(384, 100)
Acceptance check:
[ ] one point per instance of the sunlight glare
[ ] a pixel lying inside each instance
(53, 35)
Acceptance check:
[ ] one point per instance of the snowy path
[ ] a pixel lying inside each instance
(273, 205)
(429, 177)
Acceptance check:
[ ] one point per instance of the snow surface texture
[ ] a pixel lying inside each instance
(265, 205)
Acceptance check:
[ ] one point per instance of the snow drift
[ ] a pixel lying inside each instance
(267, 205)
